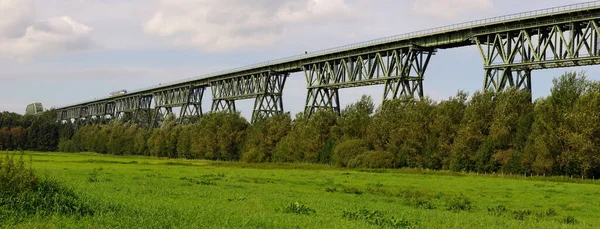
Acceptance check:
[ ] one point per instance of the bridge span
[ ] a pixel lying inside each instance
(510, 46)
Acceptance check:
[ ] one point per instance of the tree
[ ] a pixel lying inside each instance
(473, 130)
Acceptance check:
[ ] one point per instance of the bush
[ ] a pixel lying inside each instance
(373, 159)
(348, 150)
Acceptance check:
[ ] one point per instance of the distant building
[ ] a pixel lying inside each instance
(34, 109)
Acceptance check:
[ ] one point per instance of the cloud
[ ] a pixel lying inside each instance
(15, 16)
(21, 37)
(229, 24)
(449, 9)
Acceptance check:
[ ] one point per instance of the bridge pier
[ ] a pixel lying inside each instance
(269, 101)
(411, 68)
(322, 98)
(401, 70)
(497, 80)
(265, 87)
(192, 110)
(143, 113)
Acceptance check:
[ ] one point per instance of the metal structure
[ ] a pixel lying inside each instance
(511, 47)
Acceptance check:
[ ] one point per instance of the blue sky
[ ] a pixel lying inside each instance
(60, 52)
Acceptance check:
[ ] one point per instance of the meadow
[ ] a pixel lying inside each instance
(140, 192)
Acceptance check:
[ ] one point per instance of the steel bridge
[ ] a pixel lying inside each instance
(511, 47)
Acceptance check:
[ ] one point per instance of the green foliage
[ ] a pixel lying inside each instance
(373, 159)
(155, 196)
(459, 203)
(347, 150)
(262, 138)
(570, 220)
(24, 193)
(487, 133)
(377, 218)
(299, 209)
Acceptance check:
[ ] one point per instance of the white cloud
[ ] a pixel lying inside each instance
(15, 16)
(228, 24)
(21, 37)
(449, 9)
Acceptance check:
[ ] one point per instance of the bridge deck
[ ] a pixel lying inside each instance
(451, 36)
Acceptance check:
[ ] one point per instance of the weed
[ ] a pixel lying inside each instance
(331, 189)
(200, 182)
(570, 220)
(299, 209)
(521, 214)
(352, 191)
(94, 176)
(551, 212)
(23, 193)
(420, 202)
(178, 163)
(459, 203)
(237, 199)
(378, 218)
(95, 161)
(497, 211)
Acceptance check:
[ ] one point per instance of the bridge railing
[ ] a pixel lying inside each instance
(442, 29)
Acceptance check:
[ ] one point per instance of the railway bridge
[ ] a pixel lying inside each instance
(511, 47)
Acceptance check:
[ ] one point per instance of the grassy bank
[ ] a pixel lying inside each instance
(137, 192)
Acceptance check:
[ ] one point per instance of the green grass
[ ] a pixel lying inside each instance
(137, 192)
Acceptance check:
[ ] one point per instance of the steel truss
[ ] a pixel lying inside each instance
(191, 111)
(509, 57)
(265, 87)
(189, 98)
(401, 70)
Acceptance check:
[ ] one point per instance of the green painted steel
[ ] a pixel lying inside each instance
(511, 47)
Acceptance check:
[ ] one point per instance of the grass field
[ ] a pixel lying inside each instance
(138, 192)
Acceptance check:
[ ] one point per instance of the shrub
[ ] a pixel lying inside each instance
(373, 159)
(348, 150)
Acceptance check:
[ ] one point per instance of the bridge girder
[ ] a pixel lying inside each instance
(265, 87)
(509, 57)
(401, 70)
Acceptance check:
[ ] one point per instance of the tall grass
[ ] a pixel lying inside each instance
(23, 193)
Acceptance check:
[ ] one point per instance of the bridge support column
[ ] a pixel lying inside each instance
(322, 98)
(411, 65)
(497, 80)
(219, 105)
(160, 115)
(320, 95)
(192, 110)
(109, 111)
(506, 58)
(143, 113)
(269, 100)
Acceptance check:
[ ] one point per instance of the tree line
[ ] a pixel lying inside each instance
(485, 132)
(30, 132)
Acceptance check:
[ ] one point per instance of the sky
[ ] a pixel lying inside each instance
(60, 52)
